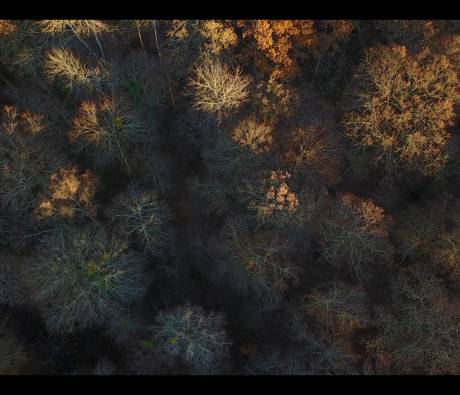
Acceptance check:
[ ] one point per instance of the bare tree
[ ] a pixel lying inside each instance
(356, 235)
(144, 215)
(199, 338)
(13, 355)
(264, 258)
(217, 90)
(23, 158)
(339, 309)
(421, 333)
(105, 129)
(12, 289)
(82, 279)
(63, 65)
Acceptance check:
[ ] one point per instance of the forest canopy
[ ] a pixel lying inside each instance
(229, 197)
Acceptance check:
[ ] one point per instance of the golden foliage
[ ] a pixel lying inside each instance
(6, 27)
(105, 128)
(70, 192)
(449, 46)
(372, 218)
(81, 27)
(402, 107)
(24, 122)
(178, 30)
(276, 38)
(86, 125)
(270, 196)
(62, 63)
(275, 100)
(257, 136)
(279, 197)
(218, 35)
(285, 98)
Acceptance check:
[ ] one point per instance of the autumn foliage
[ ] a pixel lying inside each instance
(276, 39)
(229, 197)
(402, 108)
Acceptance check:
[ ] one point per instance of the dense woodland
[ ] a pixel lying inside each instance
(238, 197)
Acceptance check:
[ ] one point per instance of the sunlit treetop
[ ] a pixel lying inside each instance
(276, 38)
(83, 27)
(400, 108)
